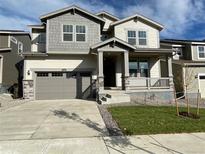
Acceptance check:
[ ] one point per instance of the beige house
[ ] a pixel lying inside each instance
(78, 54)
(188, 65)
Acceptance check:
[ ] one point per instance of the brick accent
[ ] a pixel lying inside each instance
(28, 89)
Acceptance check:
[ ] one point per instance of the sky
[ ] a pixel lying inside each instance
(182, 19)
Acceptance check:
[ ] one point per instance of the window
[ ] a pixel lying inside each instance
(201, 51)
(143, 68)
(132, 37)
(68, 33)
(20, 47)
(13, 39)
(142, 35)
(42, 38)
(57, 74)
(80, 33)
(42, 74)
(138, 68)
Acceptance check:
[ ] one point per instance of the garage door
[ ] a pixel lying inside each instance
(202, 85)
(62, 85)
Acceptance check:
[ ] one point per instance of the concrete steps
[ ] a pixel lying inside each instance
(113, 97)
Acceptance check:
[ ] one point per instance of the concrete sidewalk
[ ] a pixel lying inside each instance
(149, 144)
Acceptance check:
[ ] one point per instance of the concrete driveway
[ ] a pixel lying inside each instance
(52, 119)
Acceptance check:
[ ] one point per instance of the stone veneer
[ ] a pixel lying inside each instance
(28, 89)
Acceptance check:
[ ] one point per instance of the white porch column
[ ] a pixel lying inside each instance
(170, 71)
(126, 63)
(126, 70)
(100, 71)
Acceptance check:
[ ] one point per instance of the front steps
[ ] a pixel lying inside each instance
(113, 97)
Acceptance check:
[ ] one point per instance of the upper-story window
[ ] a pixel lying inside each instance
(140, 39)
(13, 39)
(201, 51)
(20, 47)
(68, 32)
(132, 37)
(42, 38)
(80, 33)
(142, 35)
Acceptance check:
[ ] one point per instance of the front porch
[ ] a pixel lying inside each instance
(121, 67)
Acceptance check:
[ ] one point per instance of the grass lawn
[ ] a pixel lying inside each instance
(134, 120)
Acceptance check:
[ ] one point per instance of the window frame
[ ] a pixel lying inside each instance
(73, 33)
(13, 39)
(132, 37)
(20, 43)
(81, 33)
(199, 52)
(138, 61)
(137, 36)
(142, 38)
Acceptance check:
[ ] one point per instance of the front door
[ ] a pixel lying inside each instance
(109, 72)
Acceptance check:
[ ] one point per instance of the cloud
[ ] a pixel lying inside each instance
(14, 13)
(178, 16)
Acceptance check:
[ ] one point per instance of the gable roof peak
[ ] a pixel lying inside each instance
(139, 16)
(108, 14)
(64, 10)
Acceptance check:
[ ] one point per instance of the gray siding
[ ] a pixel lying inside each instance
(4, 41)
(178, 77)
(187, 52)
(55, 26)
(13, 63)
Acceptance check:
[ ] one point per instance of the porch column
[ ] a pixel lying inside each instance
(126, 70)
(100, 71)
(170, 71)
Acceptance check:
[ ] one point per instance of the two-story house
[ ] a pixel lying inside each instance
(188, 65)
(12, 44)
(78, 54)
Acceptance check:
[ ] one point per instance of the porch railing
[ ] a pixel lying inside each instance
(148, 83)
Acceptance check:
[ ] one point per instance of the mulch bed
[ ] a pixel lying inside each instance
(189, 115)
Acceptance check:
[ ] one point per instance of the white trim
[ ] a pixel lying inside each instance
(62, 33)
(9, 41)
(137, 37)
(47, 35)
(14, 39)
(108, 14)
(20, 43)
(192, 52)
(110, 40)
(198, 52)
(198, 43)
(200, 74)
(86, 34)
(1, 68)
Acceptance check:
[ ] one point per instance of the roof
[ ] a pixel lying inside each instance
(37, 26)
(14, 32)
(107, 14)
(113, 39)
(34, 54)
(66, 9)
(138, 16)
(183, 41)
(189, 62)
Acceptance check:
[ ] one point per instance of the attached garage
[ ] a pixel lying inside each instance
(202, 85)
(62, 85)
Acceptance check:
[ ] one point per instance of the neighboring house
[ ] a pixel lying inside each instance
(78, 54)
(12, 44)
(188, 65)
